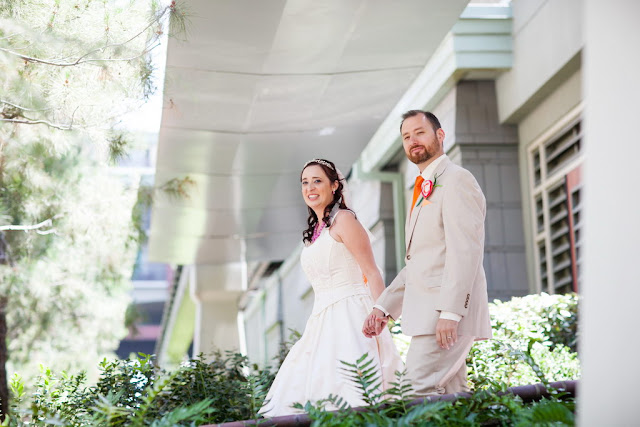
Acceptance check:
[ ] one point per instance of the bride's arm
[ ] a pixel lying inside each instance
(347, 229)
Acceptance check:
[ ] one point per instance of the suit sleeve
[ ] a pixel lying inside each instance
(463, 215)
(391, 298)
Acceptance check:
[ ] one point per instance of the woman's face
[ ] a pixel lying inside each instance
(317, 190)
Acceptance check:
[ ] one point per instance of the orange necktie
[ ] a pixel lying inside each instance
(416, 191)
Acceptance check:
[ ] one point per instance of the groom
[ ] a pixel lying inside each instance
(441, 293)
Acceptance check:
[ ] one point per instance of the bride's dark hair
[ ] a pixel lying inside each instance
(330, 170)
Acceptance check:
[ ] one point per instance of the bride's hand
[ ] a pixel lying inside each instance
(368, 327)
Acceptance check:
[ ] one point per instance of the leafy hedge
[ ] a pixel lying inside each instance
(138, 393)
(549, 319)
(534, 339)
(489, 405)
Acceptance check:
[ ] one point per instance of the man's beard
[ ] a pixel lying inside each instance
(421, 156)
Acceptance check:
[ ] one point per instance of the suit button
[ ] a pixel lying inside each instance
(408, 257)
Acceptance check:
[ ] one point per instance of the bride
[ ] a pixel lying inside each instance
(338, 261)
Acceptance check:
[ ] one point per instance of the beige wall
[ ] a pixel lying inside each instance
(543, 87)
(557, 104)
(547, 40)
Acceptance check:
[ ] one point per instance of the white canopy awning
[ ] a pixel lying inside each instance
(260, 87)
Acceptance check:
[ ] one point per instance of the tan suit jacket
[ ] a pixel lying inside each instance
(445, 248)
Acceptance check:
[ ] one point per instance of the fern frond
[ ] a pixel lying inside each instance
(547, 412)
(184, 413)
(426, 412)
(365, 375)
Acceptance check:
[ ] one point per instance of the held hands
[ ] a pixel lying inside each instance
(446, 333)
(374, 323)
(446, 330)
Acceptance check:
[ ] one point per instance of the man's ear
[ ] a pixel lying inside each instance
(440, 135)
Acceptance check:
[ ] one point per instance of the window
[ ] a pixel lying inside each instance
(555, 165)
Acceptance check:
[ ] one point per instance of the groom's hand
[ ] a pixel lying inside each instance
(379, 322)
(446, 333)
(374, 323)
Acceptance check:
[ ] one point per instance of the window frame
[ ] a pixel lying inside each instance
(541, 191)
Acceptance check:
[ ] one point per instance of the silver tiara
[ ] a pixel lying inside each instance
(322, 162)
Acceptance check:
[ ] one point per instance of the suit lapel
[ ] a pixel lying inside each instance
(413, 216)
(413, 219)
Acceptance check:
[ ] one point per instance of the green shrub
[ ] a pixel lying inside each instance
(137, 393)
(488, 406)
(534, 341)
(541, 327)
(234, 395)
(548, 319)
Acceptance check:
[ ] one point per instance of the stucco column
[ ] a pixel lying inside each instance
(610, 346)
(216, 291)
(216, 325)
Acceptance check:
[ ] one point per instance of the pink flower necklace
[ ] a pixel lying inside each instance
(317, 231)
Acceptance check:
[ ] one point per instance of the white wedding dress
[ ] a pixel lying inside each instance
(312, 369)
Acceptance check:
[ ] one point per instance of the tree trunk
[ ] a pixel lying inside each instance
(4, 301)
(4, 387)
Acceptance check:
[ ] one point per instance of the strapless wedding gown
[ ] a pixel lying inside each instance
(312, 369)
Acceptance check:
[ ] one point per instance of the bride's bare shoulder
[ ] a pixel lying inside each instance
(346, 218)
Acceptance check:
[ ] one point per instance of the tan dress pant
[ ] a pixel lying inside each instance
(432, 370)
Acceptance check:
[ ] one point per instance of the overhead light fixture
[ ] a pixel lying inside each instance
(327, 131)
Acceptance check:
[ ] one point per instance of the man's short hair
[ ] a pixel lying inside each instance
(435, 123)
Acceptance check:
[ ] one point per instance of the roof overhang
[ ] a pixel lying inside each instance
(259, 88)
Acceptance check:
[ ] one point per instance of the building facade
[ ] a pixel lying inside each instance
(505, 83)
(519, 87)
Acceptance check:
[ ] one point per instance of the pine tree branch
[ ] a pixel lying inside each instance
(2, 101)
(102, 49)
(45, 223)
(28, 121)
(82, 60)
(71, 64)
(36, 227)
(38, 122)
(49, 231)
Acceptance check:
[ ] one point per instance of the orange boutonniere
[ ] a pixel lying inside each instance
(427, 188)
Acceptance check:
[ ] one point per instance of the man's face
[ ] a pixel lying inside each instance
(421, 143)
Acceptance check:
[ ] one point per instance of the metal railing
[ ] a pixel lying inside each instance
(528, 393)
